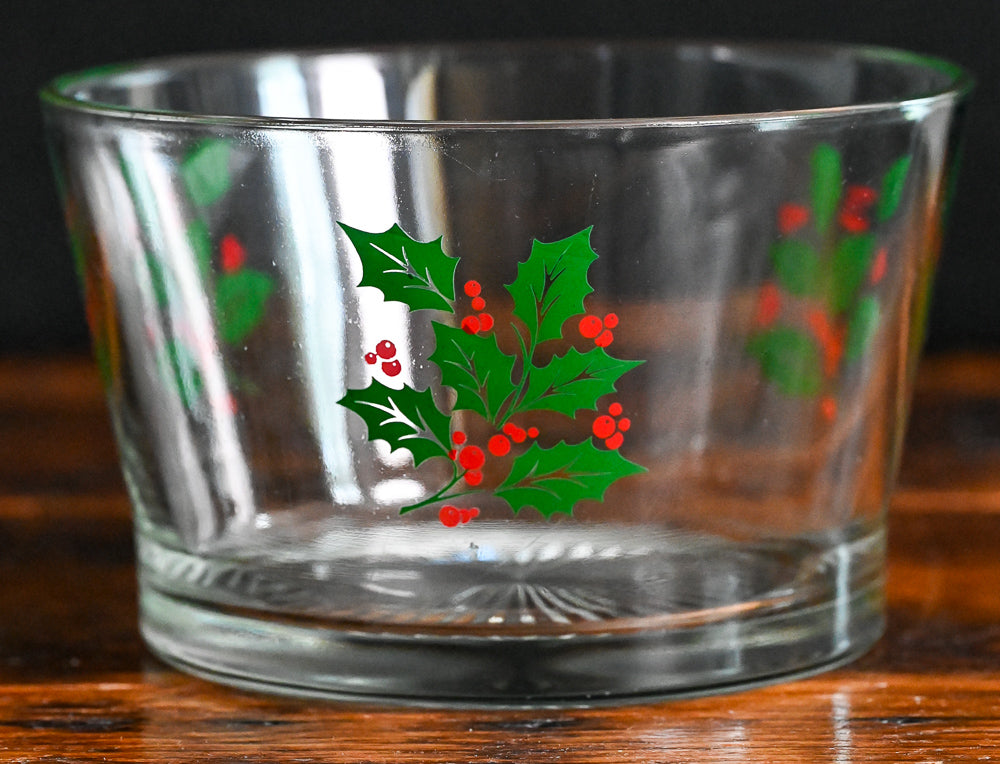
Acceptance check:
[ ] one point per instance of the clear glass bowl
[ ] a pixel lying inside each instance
(509, 374)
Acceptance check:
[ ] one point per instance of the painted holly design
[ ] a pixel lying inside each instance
(503, 387)
(821, 311)
(238, 293)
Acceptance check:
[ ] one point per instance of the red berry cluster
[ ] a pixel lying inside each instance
(482, 322)
(853, 214)
(470, 457)
(451, 516)
(499, 445)
(593, 328)
(386, 351)
(232, 255)
(858, 201)
(609, 428)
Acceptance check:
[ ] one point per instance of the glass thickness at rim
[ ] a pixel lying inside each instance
(67, 92)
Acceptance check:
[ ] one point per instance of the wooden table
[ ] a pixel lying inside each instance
(76, 683)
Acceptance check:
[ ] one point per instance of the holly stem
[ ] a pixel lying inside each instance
(515, 399)
(441, 495)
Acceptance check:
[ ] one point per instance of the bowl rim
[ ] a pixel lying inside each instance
(57, 92)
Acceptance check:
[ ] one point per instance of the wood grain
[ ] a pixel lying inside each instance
(76, 683)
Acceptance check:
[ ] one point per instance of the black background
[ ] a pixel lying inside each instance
(39, 306)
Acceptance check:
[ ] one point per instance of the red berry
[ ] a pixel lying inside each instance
(465, 514)
(452, 454)
(458, 438)
(768, 305)
(472, 457)
(231, 253)
(473, 288)
(879, 266)
(828, 408)
(604, 426)
(590, 326)
(391, 368)
(499, 445)
(615, 441)
(485, 322)
(615, 409)
(473, 512)
(370, 358)
(470, 324)
(820, 325)
(611, 320)
(859, 197)
(624, 423)
(478, 303)
(385, 349)
(473, 477)
(449, 516)
(532, 432)
(852, 222)
(791, 217)
(604, 339)
(516, 433)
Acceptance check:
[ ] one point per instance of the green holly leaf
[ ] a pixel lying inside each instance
(416, 273)
(862, 327)
(892, 189)
(475, 367)
(240, 302)
(551, 284)
(406, 419)
(825, 185)
(200, 241)
(798, 267)
(790, 359)
(555, 479)
(851, 262)
(573, 382)
(205, 171)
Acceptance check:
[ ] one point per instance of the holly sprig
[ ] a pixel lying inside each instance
(238, 294)
(499, 385)
(821, 311)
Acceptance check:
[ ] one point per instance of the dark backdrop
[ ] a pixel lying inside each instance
(39, 305)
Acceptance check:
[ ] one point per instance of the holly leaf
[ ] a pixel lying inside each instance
(240, 301)
(851, 263)
(555, 479)
(573, 381)
(551, 284)
(475, 368)
(416, 273)
(406, 419)
(862, 327)
(205, 171)
(798, 267)
(790, 359)
(892, 188)
(825, 184)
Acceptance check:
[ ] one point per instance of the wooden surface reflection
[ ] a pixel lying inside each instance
(77, 685)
